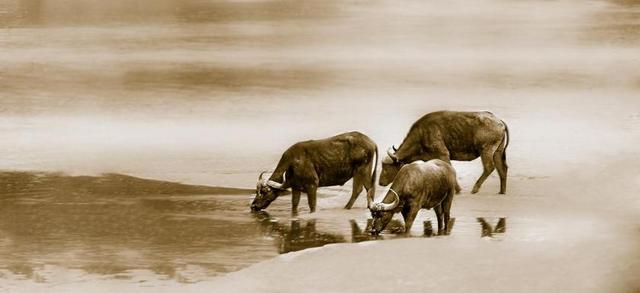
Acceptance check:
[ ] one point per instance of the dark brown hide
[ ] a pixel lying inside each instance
(419, 185)
(307, 165)
(459, 136)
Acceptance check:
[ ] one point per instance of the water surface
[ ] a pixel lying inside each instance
(69, 234)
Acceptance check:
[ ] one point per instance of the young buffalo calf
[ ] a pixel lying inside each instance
(418, 185)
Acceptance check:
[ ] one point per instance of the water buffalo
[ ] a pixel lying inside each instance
(307, 165)
(418, 185)
(459, 136)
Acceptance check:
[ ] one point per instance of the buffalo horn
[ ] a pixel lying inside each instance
(274, 184)
(383, 207)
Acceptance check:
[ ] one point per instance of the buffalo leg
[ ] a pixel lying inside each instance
(363, 178)
(438, 210)
(405, 211)
(357, 189)
(369, 181)
(295, 199)
(371, 192)
(311, 197)
(410, 217)
(446, 209)
(501, 165)
(487, 163)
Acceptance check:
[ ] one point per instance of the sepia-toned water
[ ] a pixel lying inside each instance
(212, 92)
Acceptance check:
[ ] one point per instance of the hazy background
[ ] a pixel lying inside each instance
(211, 92)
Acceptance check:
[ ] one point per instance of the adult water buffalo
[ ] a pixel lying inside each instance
(418, 185)
(459, 136)
(307, 165)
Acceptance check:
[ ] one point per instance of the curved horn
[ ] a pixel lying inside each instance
(394, 148)
(261, 181)
(274, 184)
(392, 154)
(383, 207)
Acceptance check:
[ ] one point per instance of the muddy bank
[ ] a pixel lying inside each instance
(25, 184)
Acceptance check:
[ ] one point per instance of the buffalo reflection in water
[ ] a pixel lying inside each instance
(302, 234)
(395, 228)
(488, 231)
(295, 236)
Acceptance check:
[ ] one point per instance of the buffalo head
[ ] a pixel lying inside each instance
(266, 192)
(382, 213)
(390, 167)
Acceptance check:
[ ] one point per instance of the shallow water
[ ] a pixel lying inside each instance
(181, 238)
(57, 234)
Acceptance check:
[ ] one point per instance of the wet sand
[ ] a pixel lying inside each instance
(549, 244)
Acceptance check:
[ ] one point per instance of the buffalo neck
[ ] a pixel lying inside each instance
(410, 150)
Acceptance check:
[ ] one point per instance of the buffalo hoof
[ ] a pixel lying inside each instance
(475, 190)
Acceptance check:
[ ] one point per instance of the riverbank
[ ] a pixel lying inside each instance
(545, 250)
(553, 239)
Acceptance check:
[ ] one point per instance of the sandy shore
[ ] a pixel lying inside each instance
(415, 265)
(550, 245)
(553, 245)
